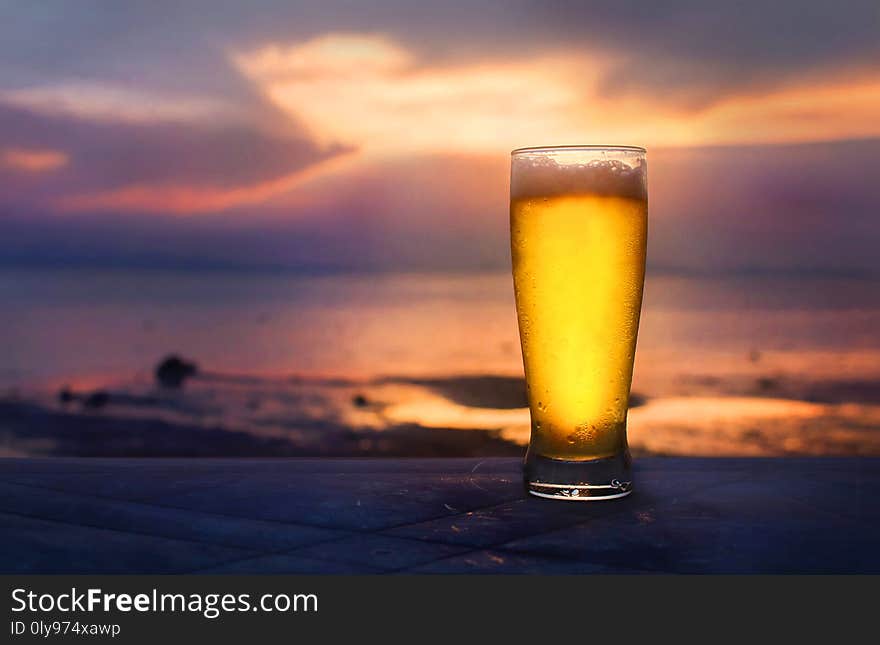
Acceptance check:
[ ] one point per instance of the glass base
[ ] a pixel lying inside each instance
(581, 481)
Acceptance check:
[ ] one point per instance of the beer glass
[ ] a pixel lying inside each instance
(578, 236)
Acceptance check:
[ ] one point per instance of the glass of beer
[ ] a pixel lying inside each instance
(578, 236)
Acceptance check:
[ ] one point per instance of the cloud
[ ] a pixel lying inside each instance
(693, 51)
(673, 47)
(182, 199)
(31, 160)
(346, 55)
(108, 102)
(149, 166)
(369, 92)
(203, 105)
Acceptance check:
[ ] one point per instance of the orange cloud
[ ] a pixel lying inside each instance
(820, 111)
(367, 91)
(31, 160)
(186, 200)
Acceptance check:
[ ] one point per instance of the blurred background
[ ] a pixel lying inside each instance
(280, 228)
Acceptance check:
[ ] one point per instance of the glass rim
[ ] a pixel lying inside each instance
(576, 148)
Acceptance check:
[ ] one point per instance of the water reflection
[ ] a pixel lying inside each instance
(405, 364)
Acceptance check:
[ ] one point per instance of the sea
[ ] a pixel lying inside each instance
(726, 365)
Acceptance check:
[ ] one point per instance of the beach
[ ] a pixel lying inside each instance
(416, 365)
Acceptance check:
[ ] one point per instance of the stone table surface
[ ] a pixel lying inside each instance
(688, 515)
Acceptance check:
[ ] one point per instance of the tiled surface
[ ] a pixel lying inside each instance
(433, 516)
(39, 546)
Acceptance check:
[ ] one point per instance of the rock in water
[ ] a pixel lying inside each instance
(173, 371)
(359, 401)
(97, 399)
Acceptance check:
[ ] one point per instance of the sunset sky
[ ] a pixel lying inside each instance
(375, 135)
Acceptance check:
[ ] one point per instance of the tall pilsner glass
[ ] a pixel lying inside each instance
(578, 235)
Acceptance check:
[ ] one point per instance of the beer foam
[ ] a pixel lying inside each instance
(543, 176)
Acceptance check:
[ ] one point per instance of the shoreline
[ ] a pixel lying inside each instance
(228, 415)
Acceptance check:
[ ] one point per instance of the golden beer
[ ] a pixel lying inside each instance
(578, 221)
